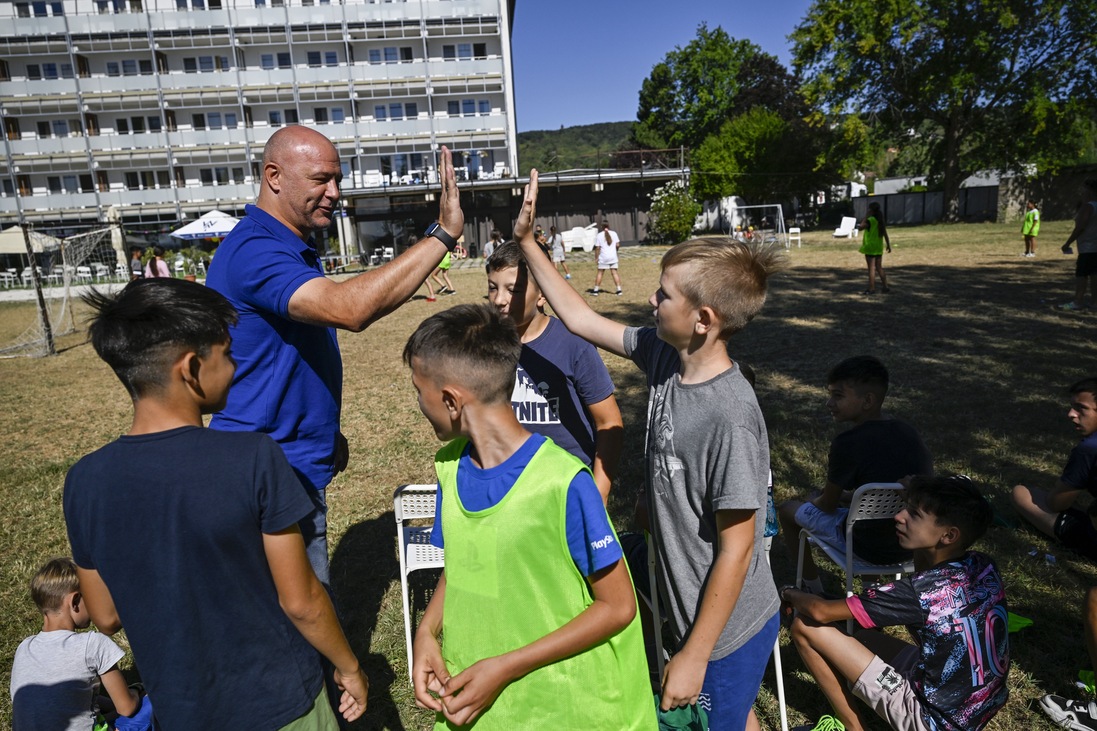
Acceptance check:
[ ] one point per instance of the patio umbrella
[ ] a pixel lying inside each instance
(212, 225)
(11, 241)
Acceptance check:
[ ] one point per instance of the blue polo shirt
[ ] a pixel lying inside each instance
(289, 375)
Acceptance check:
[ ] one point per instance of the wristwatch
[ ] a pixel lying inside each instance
(436, 230)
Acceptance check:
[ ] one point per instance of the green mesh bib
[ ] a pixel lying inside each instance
(510, 580)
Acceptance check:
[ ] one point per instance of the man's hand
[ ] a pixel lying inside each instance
(342, 453)
(1067, 249)
(355, 687)
(450, 214)
(471, 691)
(683, 678)
(528, 213)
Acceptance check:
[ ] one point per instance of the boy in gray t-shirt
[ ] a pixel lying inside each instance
(56, 672)
(707, 460)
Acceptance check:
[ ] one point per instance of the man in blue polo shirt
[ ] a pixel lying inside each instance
(289, 374)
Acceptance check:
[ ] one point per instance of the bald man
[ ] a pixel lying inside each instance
(289, 374)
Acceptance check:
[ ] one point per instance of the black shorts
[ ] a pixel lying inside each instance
(1086, 266)
(1075, 530)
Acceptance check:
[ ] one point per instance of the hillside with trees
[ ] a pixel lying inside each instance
(586, 146)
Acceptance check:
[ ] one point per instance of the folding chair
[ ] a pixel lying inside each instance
(793, 235)
(871, 501)
(410, 502)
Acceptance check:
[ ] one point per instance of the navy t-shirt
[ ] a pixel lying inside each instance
(1081, 469)
(289, 375)
(174, 523)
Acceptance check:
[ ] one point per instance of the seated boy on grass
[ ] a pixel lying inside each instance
(563, 389)
(56, 672)
(954, 605)
(707, 461)
(876, 448)
(535, 606)
(1054, 511)
(188, 537)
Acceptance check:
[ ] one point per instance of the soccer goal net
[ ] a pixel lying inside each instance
(64, 272)
(761, 223)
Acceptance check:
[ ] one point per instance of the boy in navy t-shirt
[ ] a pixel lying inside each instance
(535, 607)
(1053, 511)
(563, 389)
(954, 605)
(211, 581)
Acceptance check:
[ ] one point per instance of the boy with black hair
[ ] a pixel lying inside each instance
(954, 605)
(563, 389)
(1053, 511)
(535, 606)
(211, 581)
(707, 461)
(56, 672)
(876, 448)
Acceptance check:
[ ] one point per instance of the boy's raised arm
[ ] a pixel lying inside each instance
(469, 692)
(568, 304)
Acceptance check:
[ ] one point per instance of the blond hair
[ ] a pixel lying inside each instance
(53, 582)
(726, 275)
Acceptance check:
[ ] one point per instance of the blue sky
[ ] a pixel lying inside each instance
(583, 61)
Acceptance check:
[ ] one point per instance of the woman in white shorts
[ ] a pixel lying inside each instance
(607, 242)
(556, 241)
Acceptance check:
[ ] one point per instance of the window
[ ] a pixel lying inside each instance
(221, 175)
(453, 109)
(485, 107)
(133, 181)
(39, 9)
(155, 125)
(468, 107)
(87, 184)
(464, 50)
(206, 176)
(449, 52)
(277, 3)
(380, 113)
(146, 67)
(53, 182)
(70, 184)
(9, 189)
(136, 6)
(396, 110)
(104, 7)
(129, 67)
(320, 115)
(22, 10)
(374, 55)
(190, 65)
(337, 115)
(230, 120)
(313, 58)
(44, 129)
(66, 71)
(198, 121)
(224, 63)
(284, 61)
(214, 4)
(392, 54)
(34, 71)
(411, 110)
(238, 175)
(205, 64)
(275, 118)
(181, 4)
(480, 50)
(49, 71)
(162, 179)
(60, 128)
(213, 120)
(260, 3)
(113, 69)
(57, 8)
(417, 160)
(291, 116)
(123, 126)
(331, 58)
(405, 53)
(198, 4)
(137, 124)
(266, 61)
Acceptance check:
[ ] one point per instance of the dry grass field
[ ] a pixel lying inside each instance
(979, 358)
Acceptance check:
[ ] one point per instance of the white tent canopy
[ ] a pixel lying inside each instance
(11, 241)
(214, 224)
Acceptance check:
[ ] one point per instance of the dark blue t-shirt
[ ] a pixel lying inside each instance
(591, 540)
(559, 374)
(174, 523)
(1081, 469)
(289, 375)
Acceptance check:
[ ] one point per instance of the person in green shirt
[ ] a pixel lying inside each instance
(872, 246)
(1030, 229)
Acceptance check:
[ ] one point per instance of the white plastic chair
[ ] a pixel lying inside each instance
(100, 271)
(847, 229)
(872, 501)
(388, 253)
(84, 273)
(411, 502)
(793, 235)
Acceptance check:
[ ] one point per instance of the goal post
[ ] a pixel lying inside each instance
(768, 220)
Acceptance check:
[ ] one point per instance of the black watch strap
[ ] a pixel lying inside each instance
(436, 230)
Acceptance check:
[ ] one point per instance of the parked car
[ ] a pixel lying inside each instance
(580, 237)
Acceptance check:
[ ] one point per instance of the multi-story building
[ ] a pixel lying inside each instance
(155, 111)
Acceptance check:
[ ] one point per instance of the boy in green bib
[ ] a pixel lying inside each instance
(535, 605)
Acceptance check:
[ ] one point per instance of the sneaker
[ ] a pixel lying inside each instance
(567, 276)
(826, 723)
(449, 291)
(619, 293)
(595, 293)
(1070, 714)
(1069, 307)
(432, 299)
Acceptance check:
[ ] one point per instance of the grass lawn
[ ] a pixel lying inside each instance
(979, 361)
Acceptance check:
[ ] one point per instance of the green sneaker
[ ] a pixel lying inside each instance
(825, 723)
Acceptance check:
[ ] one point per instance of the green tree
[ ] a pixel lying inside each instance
(999, 82)
(673, 213)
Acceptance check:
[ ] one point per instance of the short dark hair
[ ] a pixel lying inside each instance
(863, 370)
(952, 500)
(473, 345)
(1086, 385)
(508, 256)
(52, 583)
(142, 329)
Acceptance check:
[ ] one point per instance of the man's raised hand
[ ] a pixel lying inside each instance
(524, 225)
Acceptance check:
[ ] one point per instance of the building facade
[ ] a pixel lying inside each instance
(153, 112)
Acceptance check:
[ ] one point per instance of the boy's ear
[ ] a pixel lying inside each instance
(190, 365)
(706, 321)
(454, 401)
(951, 535)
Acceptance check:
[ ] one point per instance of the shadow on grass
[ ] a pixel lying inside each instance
(362, 569)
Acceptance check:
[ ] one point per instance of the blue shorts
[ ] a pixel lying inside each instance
(831, 527)
(731, 683)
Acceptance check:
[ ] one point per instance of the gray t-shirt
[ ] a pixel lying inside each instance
(54, 679)
(707, 450)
